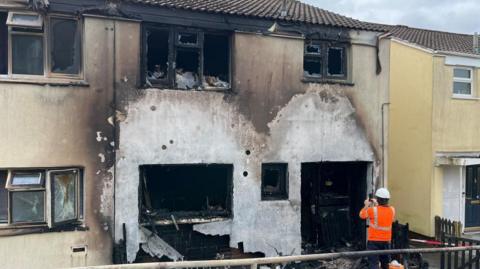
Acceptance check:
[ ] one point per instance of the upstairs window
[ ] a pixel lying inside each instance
(30, 51)
(462, 81)
(186, 59)
(325, 60)
(274, 181)
(25, 196)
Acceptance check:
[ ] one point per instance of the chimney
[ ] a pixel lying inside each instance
(476, 47)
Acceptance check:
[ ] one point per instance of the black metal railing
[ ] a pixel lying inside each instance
(468, 258)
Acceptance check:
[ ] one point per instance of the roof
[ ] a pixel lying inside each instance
(266, 9)
(434, 40)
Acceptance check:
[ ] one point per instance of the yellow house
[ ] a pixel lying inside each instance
(434, 128)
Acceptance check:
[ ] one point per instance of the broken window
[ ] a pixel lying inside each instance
(3, 197)
(26, 52)
(197, 190)
(64, 188)
(65, 46)
(324, 60)
(274, 181)
(186, 60)
(157, 55)
(27, 193)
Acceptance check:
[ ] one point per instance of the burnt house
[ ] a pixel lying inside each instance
(186, 129)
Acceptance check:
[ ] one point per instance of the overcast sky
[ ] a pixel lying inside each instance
(462, 16)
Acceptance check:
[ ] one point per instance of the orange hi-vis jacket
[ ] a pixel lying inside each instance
(381, 219)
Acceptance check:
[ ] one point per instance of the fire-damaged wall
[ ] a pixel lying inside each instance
(65, 125)
(270, 116)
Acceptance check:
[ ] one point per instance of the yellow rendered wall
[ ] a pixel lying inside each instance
(456, 122)
(410, 136)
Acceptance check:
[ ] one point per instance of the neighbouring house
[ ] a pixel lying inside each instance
(434, 131)
(143, 130)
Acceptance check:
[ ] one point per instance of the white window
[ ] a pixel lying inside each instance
(41, 197)
(462, 81)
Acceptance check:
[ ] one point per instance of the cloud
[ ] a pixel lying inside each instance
(453, 16)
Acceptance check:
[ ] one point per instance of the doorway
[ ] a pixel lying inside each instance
(332, 195)
(472, 196)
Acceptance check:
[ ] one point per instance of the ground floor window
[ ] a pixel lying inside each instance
(41, 196)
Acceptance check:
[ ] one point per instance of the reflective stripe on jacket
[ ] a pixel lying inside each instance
(381, 219)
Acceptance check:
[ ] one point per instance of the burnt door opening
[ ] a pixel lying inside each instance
(332, 196)
(186, 191)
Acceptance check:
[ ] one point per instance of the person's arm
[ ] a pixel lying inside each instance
(364, 212)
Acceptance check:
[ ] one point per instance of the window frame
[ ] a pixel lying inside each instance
(173, 45)
(325, 46)
(47, 43)
(463, 80)
(40, 21)
(25, 188)
(47, 188)
(78, 198)
(283, 185)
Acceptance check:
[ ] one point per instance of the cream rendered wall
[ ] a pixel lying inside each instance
(410, 136)
(456, 124)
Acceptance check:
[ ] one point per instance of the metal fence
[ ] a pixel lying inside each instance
(291, 261)
(461, 259)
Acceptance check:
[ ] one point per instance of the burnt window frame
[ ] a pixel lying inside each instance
(173, 45)
(283, 185)
(45, 33)
(325, 46)
(46, 186)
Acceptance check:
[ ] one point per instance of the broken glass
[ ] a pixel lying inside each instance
(335, 61)
(28, 206)
(64, 196)
(65, 49)
(188, 38)
(27, 54)
(312, 67)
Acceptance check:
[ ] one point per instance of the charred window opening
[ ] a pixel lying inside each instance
(335, 61)
(157, 55)
(26, 192)
(324, 60)
(187, 66)
(274, 181)
(332, 195)
(187, 191)
(186, 59)
(216, 61)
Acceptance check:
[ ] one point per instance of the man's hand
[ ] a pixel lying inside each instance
(366, 203)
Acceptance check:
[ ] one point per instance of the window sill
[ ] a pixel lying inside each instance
(46, 81)
(327, 81)
(160, 87)
(13, 230)
(465, 97)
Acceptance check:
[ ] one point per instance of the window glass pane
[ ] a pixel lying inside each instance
(312, 67)
(26, 20)
(28, 206)
(313, 49)
(65, 50)
(3, 197)
(64, 196)
(462, 88)
(27, 54)
(335, 61)
(3, 43)
(462, 73)
(26, 178)
(187, 38)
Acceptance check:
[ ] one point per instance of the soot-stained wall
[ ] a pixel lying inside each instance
(270, 113)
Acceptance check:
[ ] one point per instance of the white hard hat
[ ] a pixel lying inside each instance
(382, 193)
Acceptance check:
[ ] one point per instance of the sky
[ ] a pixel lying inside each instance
(460, 16)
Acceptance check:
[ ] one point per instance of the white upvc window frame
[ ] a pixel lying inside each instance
(463, 80)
